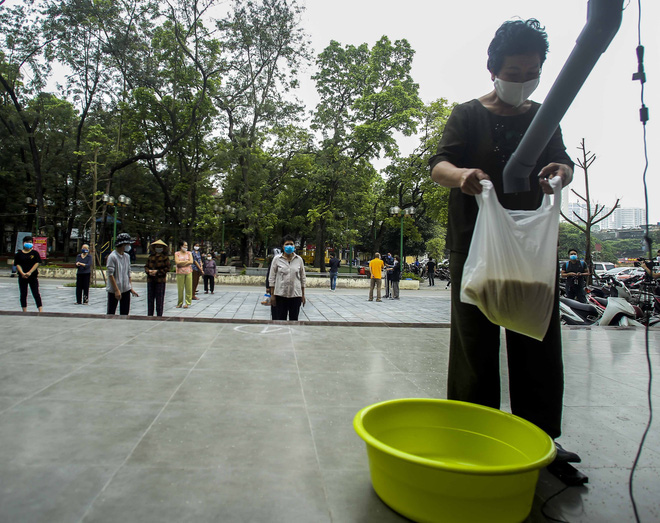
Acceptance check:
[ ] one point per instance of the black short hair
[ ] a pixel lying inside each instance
(517, 37)
(181, 242)
(27, 239)
(571, 250)
(288, 238)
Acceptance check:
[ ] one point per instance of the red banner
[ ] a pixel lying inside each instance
(40, 244)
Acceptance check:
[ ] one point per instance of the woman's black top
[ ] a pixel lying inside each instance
(476, 138)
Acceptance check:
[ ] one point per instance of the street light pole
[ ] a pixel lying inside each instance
(397, 211)
(401, 250)
(122, 201)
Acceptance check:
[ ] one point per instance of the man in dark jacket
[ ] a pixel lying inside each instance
(157, 269)
(395, 277)
(575, 271)
(334, 270)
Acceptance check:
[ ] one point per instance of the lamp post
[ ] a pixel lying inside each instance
(397, 211)
(122, 201)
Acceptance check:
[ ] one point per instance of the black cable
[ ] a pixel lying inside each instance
(550, 518)
(643, 116)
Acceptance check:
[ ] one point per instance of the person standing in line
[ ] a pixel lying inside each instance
(184, 268)
(376, 269)
(396, 278)
(27, 262)
(575, 271)
(210, 268)
(287, 282)
(478, 140)
(84, 264)
(157, 268)
(120, 287)
(389, 263)
(268, 296)
(430, 272)
(334, 270)
(197, 268)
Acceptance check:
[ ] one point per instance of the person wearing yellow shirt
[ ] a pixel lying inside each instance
(376, 268)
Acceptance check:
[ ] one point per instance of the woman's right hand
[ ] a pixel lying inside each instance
(470, 181)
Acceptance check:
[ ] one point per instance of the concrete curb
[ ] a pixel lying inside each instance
(313, 281)
(175, 319)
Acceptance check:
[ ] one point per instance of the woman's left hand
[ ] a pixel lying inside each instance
(550, 171)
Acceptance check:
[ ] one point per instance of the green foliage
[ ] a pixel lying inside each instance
(436, 247)
(187, 113)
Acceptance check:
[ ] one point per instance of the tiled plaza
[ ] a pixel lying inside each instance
(112, 419)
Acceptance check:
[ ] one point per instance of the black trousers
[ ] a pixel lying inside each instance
(155, 294)
(209, 281)
(195, 282)
(536, 370)
(124, 303)
(576, 292)
(82, 287)
(287, 307)
(33, 283)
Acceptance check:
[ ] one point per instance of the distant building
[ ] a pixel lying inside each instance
(621, 218)
(626, 218)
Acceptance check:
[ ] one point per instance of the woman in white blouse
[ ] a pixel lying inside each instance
(287, 282)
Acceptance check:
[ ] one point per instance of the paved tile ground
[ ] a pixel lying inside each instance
(114, 419)
(427, 305)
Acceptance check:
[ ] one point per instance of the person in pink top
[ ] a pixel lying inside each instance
(184, 261)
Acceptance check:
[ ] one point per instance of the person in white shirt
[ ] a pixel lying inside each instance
(287, 283)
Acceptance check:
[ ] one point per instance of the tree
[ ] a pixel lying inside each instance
(410, 185)
(588, 158)
(366, 96)
(263, 46)
(22, 74)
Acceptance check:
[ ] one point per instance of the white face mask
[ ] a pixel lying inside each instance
(514, 93)
(127, 248)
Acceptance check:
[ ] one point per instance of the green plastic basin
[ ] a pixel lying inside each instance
(449, 461)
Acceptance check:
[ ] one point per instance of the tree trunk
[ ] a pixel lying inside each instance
(319, 254)
(92, 239)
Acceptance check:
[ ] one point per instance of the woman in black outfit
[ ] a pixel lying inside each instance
(84, 264)
(27, 262)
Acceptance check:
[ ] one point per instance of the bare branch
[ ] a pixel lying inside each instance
(616, 206)
(572, 222)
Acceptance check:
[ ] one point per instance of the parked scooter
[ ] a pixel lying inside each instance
(616, 312)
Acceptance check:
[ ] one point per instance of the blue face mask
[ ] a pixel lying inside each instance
(27, 246)
(85, 251)
(289, 249)
(573, 257)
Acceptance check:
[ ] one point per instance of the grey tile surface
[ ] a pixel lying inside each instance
(50, 431)
(160, 494)
(53, 493)
(236, 302)
(170, 421)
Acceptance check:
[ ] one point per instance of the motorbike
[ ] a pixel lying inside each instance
(602, 311)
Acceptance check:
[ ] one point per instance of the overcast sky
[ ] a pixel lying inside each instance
(451, 40)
